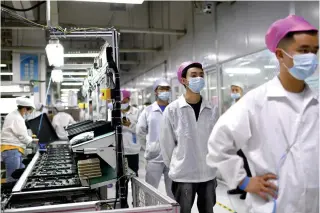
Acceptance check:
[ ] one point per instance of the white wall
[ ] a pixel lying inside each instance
(240, 30)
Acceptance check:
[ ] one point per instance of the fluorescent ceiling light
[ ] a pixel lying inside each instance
(6, 73)
(81, 55)
(114, 1)
(75, 73)
(270, 66)
(244, 63)
(67, 90)
(248, 71)
(55, 52)
(213, 88)
(3, 65)
(72, 84)
(73, 79)
(76, 66)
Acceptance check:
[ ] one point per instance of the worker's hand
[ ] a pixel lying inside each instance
(262, 186)
(126, 122)
(35, 140)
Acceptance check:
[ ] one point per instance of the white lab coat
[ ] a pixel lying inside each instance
(14, 131)
(131, 145)
(264, 123)
(60, 121)
(148, 132)
(184, 141)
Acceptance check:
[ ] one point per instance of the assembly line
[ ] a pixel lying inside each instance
(104, 153)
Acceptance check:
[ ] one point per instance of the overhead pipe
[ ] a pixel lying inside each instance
(42, 50)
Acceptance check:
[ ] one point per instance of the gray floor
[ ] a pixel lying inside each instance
(233, 202)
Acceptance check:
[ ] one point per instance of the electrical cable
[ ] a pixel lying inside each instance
(23, 10)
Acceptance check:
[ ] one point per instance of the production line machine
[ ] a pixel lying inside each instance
(53, 180)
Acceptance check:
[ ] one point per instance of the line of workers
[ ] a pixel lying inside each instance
(266, 144)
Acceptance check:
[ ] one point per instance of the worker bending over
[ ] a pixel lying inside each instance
(131, 146)
(148, 132)
(185, 130)
(237, 89)
(14, 137)
(277, 127)
(61, 120)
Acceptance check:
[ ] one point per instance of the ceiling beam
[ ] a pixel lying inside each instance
(121, 29)
(42, 49)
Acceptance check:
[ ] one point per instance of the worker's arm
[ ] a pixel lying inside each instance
(71, 121)
(20, 131)
(231, 132)
(167, 138)
(132, 123)
(142, 129)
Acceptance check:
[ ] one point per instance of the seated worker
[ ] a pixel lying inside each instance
(14, 137)
(236, 93)
(61, 120)
(276, 125)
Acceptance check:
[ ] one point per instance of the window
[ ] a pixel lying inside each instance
(252, 71)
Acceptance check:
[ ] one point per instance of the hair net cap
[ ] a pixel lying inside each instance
(184, 66)
(59, 106)
(279, 29)
(26, 102)
(125, 94)
(238, 84)
(160, 82)
(38, 106)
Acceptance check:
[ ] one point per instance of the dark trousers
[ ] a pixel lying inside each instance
(133, 164)
(185, 193)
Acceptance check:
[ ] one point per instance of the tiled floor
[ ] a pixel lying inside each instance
(224, 201)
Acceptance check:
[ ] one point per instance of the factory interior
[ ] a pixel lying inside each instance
(82, 54)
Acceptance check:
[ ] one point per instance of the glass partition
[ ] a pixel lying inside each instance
(251, 71)
(212, 87)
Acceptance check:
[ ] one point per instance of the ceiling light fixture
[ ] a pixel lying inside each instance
(270, 66)
(248, 71)
(6, 73)
(55, 52)
(3, 65)
(244, 63)
(75, 73)
(81, 55)
(72, 84)
(56, 75)
(114, 1)
(69, 89)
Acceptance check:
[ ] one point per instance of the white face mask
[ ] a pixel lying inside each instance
(124, 106)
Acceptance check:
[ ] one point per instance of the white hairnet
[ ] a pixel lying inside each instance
(238, 84)
(26, 102)
(38, 106)
(160, 82)
(59, 106)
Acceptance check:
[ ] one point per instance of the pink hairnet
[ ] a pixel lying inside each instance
(184, 65)
(125, 94)
(279, 29)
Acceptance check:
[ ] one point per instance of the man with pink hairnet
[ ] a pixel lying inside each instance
(131, 146)
(277, 127)
(185, 130)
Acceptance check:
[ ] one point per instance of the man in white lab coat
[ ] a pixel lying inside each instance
(148, 132)
(61, 120)
(185, 130)
(277, 127)
(14, 137)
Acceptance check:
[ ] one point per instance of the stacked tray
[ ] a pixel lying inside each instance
(89, 168)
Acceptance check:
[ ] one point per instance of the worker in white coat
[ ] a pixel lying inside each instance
(237, 90)
(14, 136)
(277, 127)
(61, 120)
(131, 145)
(185, 130)
(148, 132)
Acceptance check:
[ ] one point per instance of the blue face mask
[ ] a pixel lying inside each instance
(304, 65)
(196, 84)
(164, 96)
(235, 96)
